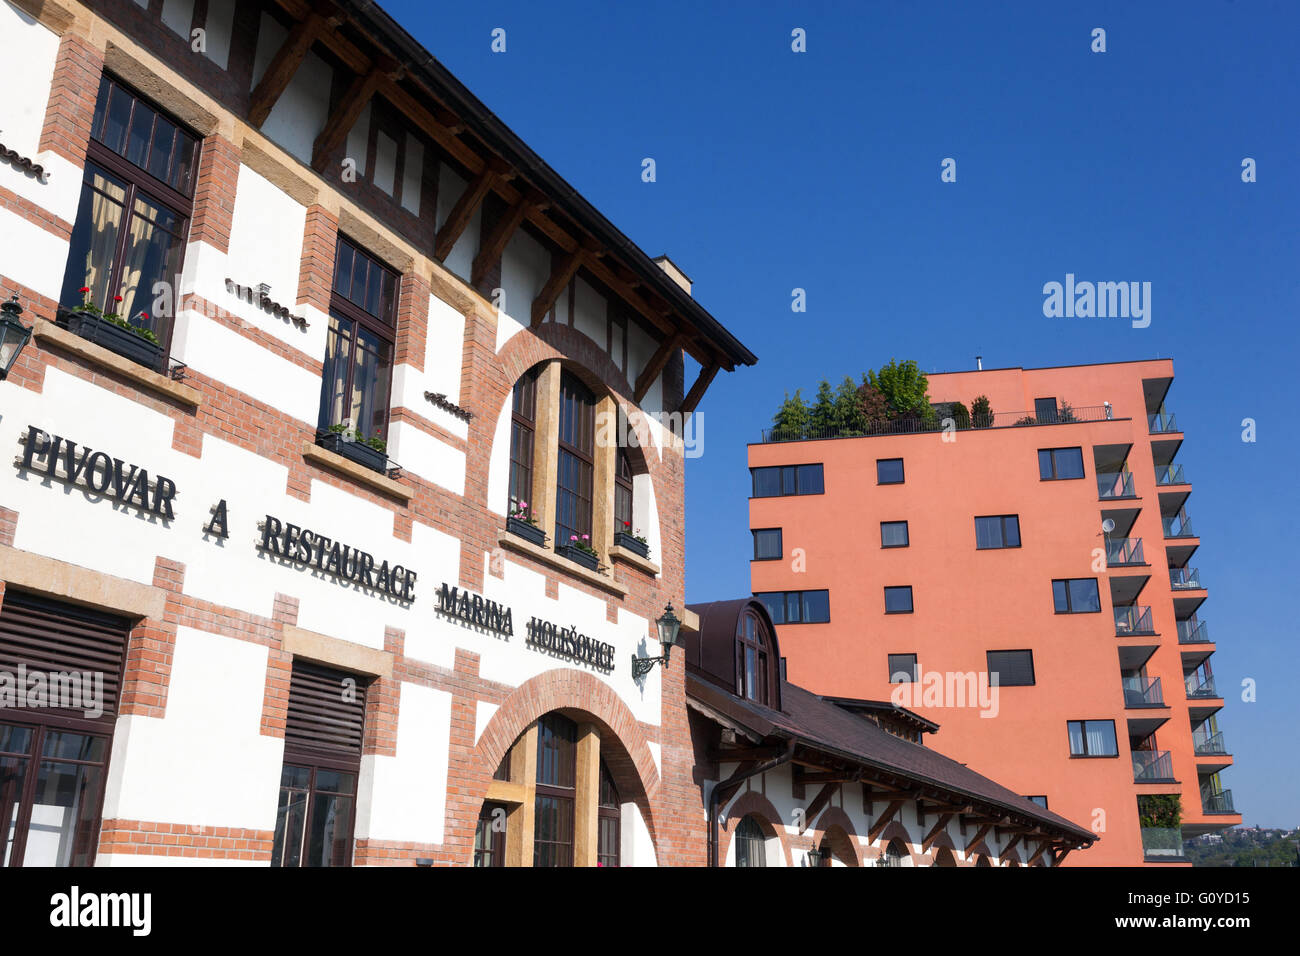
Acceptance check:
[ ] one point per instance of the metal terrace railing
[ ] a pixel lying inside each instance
(910, 424)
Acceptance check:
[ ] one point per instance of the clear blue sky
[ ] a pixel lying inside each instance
(820, 170)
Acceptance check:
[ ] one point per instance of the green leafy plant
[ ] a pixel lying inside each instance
(582, 543)
(904, 386)
(347, 433)
(1162, 810)
(1027, 420)
(1065, 413)
(960, 415)
(981, 413)
(875, 407)
(822, 420)
(115, 319)
(637, 535)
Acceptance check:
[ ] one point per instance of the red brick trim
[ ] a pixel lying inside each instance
(37, 215)
(214, 193)
(77, 70)
(8, 526)
(144, 838)
(152, 647)
(412, 321)
(316, 273)
(753, 802)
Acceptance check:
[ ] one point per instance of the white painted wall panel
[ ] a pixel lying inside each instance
(421, 453)
(408, 796)
(177, 15)
(219, 26)
(32, 256)
(30, 51)
(412, 174)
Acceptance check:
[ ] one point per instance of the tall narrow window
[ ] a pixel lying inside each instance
(752, 659)
(490, 836)
(623, 495)
(608, 820)
(322, 761)
(523, 426)
(557, 739)
(574, 475)
(359, 352)
(133, 219)
(751, 843)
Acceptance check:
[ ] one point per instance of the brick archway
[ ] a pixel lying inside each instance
(752, 803)
(896, 831)
(836, 826)
(579, 695)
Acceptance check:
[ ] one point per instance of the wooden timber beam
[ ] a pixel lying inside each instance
(656, 365)
(495, 244)
(344, 117)
(1042, 847)
(1011, 843)
(882, 821)
(697, 390)
(940, 825)
(746, 753)
(819, 802)
(564, 271)
(285, 63)
(461, 213)
(1060, 855)
(980, 834)
(828, 776)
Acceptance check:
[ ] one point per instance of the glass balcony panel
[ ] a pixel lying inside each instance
(1208, 744)
(1178, 526)
(1115, 484)
(1220, 802)
(1133, 619)
(1152, 765)
(1164, 842)
(1193, 631)
(1198, 686)
(1123, 551)
(1142, 692)
(1170, 475)
(1161, 422)
(1185, 579)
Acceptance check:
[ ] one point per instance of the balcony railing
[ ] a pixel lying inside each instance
(1220, 802)
(1209, 745)
(1185, 579)
(1161, 422)
(1163, 842)
(909, 424)
(1193, 632)
(1198, 687)
(1122, 551)
(1142, 692)
(1170, 475)
(1178, 526)
(1115, 484)
(1150, 766)
(1133, 619)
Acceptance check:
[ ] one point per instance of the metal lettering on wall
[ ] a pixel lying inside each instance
(475, 609)
(310, 548)
(57, 457)
(567, 642)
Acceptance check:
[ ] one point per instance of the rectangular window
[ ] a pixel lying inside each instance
(1076, 596)
(359, 350)
(797, 607)
(322, 761)
(1045, 411)
(898, 600)
(1014, 668)
(623, 495)
(778, 481)
(523, 426)
(902, 669)
(1092, 738)
(576, 469)
(767, 544)
(557, 738)
(133, 218)
(490, 835)
(889, 471)
(1058, 463)
(1040, 800)
(997, 531)
(893, 534)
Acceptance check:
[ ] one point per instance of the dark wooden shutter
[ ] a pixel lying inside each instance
(1014, 668)
(326, 710)
(50, 636)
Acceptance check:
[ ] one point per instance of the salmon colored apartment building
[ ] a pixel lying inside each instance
(1050, 544)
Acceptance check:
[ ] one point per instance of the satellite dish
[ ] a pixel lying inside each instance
(1108, 526)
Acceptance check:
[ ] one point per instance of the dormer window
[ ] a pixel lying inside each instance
(753, 660)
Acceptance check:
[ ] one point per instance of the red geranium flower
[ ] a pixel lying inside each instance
(84, 288)
(117, 298)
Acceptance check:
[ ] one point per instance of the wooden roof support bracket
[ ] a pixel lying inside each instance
(882, 821)
(940, 825)
(656, 365)
(344, 117)
(283, 66)
(697, 390)
(980, 834)
(815, 808)
(461, 213)
(495, 244)
(564, 271)
(1042, 847)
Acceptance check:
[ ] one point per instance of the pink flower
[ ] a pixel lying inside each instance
(584, 537)
(573, 537)
(523, 504)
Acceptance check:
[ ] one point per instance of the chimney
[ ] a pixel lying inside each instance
(979, 363)
(676, 274)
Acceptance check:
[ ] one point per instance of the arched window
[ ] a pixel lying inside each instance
(983, 861)
(752, 659)
(608, 813)
(523, 426)
(557, 738)
(895, 853)
(575, 467)
(944, 857)
(623, 495)
(751, 843)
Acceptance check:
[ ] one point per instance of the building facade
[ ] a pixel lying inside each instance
(796, 779)
(1049, 544)
(347, 460)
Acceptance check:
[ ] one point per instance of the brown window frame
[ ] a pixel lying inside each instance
(572, 403)
(751, 637)
(624, 495)
(490, 852)
(608, 837)
(555, 726)
(523, 424)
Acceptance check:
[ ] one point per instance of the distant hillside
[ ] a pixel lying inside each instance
(1246, 847)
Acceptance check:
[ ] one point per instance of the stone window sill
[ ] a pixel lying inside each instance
(546, 556)
(358, 473)
(48, 333)
(624, 556)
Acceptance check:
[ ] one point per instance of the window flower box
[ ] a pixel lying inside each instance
(583, 556)
(529, 532)
(634, 544)
(358, 451)
(125, 342)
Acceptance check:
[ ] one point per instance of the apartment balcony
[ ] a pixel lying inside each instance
(1170, 475)
(1124, 552)
(1193, 632)
(1209, 746)
(1142, 692)
(1178, 526)
(1133, 619)
(1161, 423)
(1152, 766)
(1199, 688)
(1220, 802)
(1162, 844)
(1185, 579)
(1115, 484)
